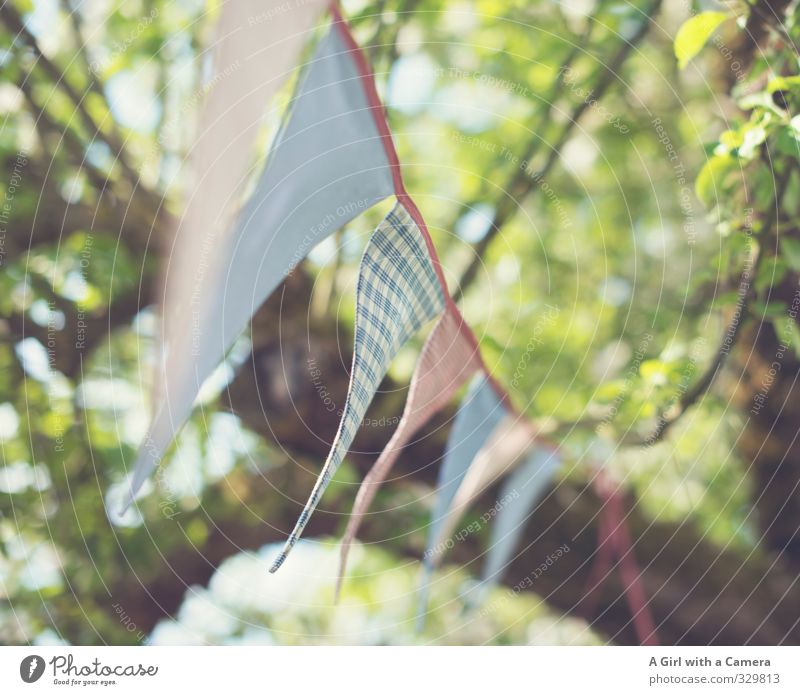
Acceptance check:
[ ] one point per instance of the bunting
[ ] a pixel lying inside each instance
(447, 360)
(328, 164)
(332, 159)
(398, 292)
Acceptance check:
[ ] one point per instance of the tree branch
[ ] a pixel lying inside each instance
(732, 331)
(15, 24)
(523, 181)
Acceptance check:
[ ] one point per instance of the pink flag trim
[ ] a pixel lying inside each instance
(614, 538)
(447, 361)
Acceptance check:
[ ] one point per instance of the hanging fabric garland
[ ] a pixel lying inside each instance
(332, 159)
(328, 165)
(397, 293)
(447, 360)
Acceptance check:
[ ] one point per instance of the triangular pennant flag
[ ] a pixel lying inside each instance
(328, 164)
(522, 490)
(512, 438)
(448, 358)
(477, 418)
(255, 48)
(398, 291)
(613, 538)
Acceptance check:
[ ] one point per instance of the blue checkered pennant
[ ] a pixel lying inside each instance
(398, 291)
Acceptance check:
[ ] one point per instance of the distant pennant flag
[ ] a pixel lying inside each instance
(613, 538)
(398, 292)
(478, 417)
(449, 357)
(328, 164)
(511, 440)
(518, 497)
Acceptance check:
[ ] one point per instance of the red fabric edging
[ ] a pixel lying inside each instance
(382, 124)
(613, 534)
(613, 537)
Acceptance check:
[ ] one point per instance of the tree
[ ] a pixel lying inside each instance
(562, 160)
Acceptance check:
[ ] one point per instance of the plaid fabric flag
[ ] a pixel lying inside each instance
(519, 496)
(398, 291)
(477, 418)
(447, 360)
(327, 165)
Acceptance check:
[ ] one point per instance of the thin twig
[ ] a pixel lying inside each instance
(44, 122)
(523, 181)
(78, 37)
(404, 11)
(15, 24)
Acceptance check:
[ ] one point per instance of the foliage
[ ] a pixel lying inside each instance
(598, 304)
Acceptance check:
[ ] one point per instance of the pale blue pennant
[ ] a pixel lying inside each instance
(519, 495)
(328, 164)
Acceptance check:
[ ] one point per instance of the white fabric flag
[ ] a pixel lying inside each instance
(327, 165)
(255, 49)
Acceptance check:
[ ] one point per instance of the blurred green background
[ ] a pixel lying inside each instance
(660, 214)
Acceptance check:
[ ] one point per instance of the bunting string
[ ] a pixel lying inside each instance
(333, 158)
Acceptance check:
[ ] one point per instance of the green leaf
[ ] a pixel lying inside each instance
(25, 6)
(771, 310)
(654, 371)
(772, 274)
(783, 83)
(694, 33)
(791, 252)
(787, 142)
(708, 185)
(792, 332)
